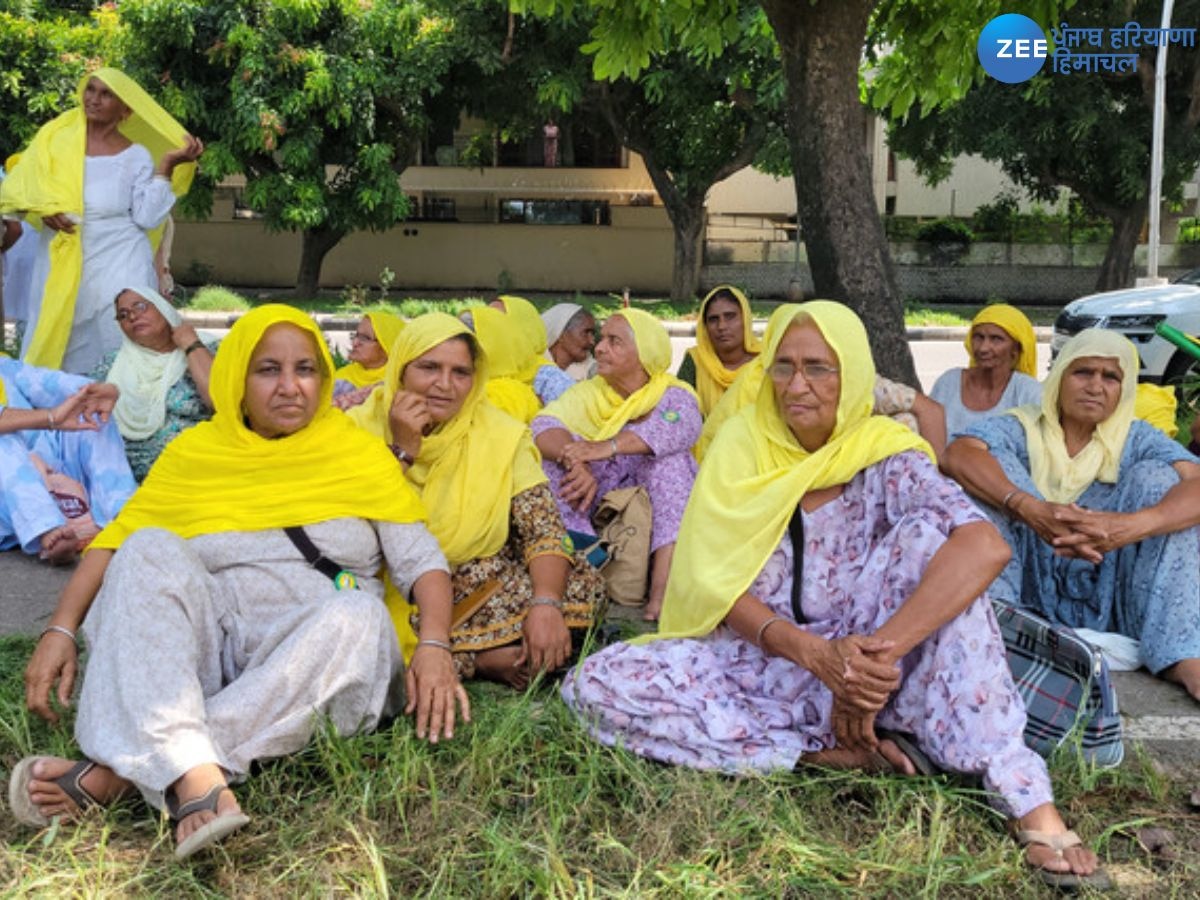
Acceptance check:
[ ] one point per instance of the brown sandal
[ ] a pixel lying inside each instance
(1059, 841)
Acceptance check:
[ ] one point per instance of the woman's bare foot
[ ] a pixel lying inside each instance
(1077, 860)
(101, 782)
(59, 546)
(500, 664)
(194, 784)
(1187, 673)
(886, 758)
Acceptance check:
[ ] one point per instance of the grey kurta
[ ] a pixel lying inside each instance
(225, 648)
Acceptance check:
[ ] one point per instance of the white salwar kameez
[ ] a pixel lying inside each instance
(122, 201)
(229, 648)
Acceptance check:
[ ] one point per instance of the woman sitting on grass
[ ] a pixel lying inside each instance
(519, 587)
(1100, 509)
(725, 342)
(539, 371)
(570, 335)
(161, 372)
(632, 424)
(236, 601)
(369, 346)
(826, 604)
(63, 472)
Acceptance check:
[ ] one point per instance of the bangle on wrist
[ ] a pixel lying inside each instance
(401, 454)
(615, 451)
(430, 642)
(50, 418)
(59, 629)
(767, 623)
(546, 601)
(197, 344)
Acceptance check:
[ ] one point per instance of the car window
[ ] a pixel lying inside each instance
(1192, 277)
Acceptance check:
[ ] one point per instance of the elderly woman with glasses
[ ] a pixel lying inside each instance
(161, 371)
(370, 343)
(826, 606)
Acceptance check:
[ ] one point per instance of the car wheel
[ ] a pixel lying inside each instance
(1183, 374)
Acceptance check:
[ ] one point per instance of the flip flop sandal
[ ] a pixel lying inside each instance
(210, 832)
(25, 810)
(908, 746)
(1058, 842)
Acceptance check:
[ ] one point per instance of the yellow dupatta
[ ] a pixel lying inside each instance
(712, 378)
(756, 473)
(595, 411)
(220, 476)
(1060, 477)
(49, 180)
(387, 328)
(1156, 405)
(507, 350)
(533, 330)
(1017, 326)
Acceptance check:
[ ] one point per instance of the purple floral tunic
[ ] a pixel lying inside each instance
(667, 474)
(719, 702)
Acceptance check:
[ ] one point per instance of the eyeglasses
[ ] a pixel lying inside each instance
(784, 371)
(135, 309)
(357, 338)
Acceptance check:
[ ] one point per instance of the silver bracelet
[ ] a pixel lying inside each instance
(59, 629)
(546, 601)
(50, 417)
(430, 642)
(763, 627)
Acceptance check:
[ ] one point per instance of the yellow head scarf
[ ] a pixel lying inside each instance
(387, 329)
(712, 378)
(533, 331)
(49, 180)
(1156, 405)
(221, 476)
(756, 473)
(1060, 477)
(595, 410)
(507, 349)
(1017, 326)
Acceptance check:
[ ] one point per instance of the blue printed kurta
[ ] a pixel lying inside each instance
(96, 459)
(1149, 590)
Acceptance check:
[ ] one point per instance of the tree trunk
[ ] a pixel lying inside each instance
(1117, 269)
(316, 243)
(688, 225)
(821, 47)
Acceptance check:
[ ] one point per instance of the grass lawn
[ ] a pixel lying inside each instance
(521, 803)
(216, 299)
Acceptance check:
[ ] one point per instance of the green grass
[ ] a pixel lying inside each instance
(217, 299)
(521, 803)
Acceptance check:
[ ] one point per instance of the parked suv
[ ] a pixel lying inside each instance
(1134, 313)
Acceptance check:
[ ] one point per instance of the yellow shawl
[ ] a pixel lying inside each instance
(533, 331)
(49, 180)
(1060, 477)
(387, 329)
(595, 411)
(221, 476)
(756, 473)
(507, 350)
(712, 378)
(1156, 405)
(1017, 326)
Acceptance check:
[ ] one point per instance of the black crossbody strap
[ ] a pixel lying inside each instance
(796, 530)
(311, 554)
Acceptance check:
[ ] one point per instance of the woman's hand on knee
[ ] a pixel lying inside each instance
(579, 487)
(545, 640)
(55, 659)
(858, 672)
(435, 694)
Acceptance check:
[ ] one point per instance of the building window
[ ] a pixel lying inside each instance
(555, 212)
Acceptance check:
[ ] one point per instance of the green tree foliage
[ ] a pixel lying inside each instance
(1090, 133)
(319, 103)
(41, 62)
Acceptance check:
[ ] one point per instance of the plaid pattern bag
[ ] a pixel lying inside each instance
(1065, 684)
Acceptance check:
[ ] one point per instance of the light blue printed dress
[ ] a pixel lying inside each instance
(96, 459)
(1149, 591)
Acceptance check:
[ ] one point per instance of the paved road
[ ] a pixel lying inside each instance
(1159, 715)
